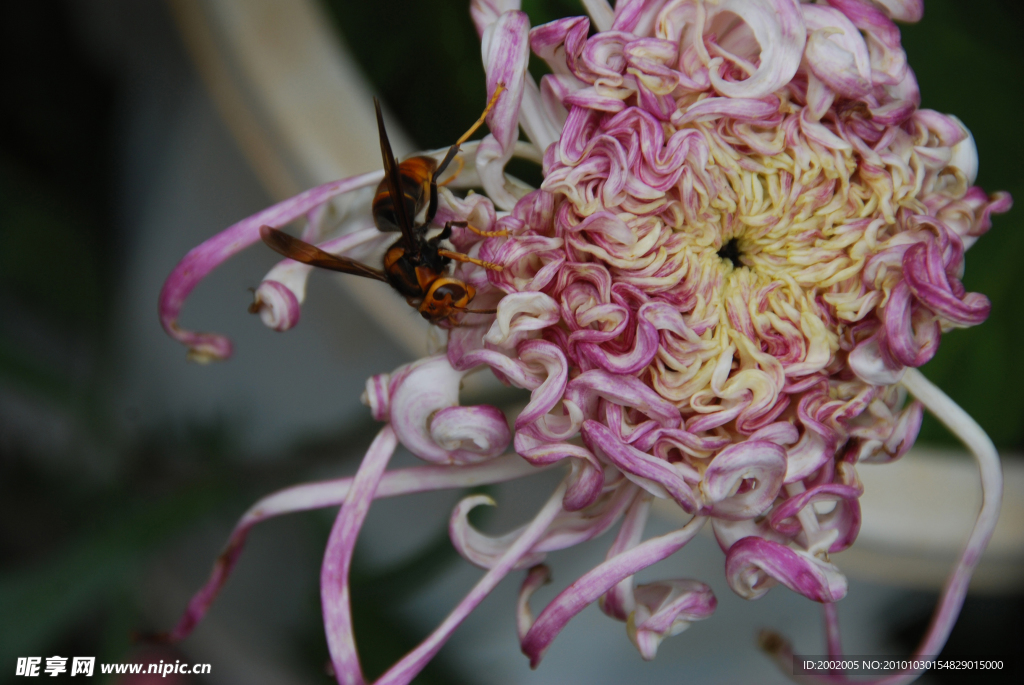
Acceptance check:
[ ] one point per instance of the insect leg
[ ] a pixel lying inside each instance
(454, 150)
(487, 110)
(459, 257)
(455, 174)
(488, 234)
(470, 227)
(445, 234)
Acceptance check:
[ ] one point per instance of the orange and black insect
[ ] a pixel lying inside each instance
(415, 266)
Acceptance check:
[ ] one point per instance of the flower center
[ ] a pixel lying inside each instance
(731, 252)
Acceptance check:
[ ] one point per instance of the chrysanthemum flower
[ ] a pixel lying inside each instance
(747, 238)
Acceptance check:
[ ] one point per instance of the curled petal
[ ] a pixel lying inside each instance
(819, 98)
(665, 609)
(482, 429)
(277, 305)
(419, 394)
(549, 363)
(480, 549)
(201, 260)
(808, 455)
(778, 27)
(651, 61)
(845, 517)
(743, 480)
(780, 432)
(279, 297)
(607, 225)
(636, 16)
(904, 433)
(926, 277)
(836, 52)
(570, 528)
(888, 61)
(519, 316)
(505, 48)
(377, 396)
(911, 332)
(593, 99)
(560, 43)
(586, 478)
(965, 153)
(645, 347)
(753, 565)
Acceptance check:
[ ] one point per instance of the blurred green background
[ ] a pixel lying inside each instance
(86, 505)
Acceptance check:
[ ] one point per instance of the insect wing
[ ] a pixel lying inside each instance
(301, 251)
(394, 184)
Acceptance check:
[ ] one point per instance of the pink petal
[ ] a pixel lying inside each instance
(538, 576)
(659, 478)
(754, 564)
(596, 582)
(618, 602)
(505, 49)
(334, 591)
(486, 12)
(665, 609)
(636, 16)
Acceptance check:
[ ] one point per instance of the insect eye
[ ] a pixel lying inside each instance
(452, 290)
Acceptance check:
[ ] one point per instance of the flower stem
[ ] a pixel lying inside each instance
(832, 634)
(980, 445)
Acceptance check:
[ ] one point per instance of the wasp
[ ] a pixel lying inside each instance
(416, 266)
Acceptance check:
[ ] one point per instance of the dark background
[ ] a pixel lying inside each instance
(94, 492)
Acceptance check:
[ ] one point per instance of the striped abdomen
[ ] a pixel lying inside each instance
(414, 176)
